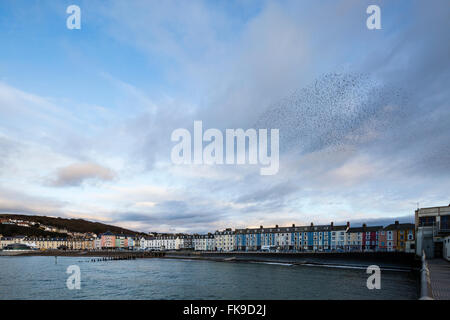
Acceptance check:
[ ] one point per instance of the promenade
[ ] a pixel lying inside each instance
(388, 260)
(440, 278)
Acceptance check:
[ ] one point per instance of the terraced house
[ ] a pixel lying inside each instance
(247, 239)
(79, 244)
(184, 241)
(400, 237)
(354, 239)
(299, 238)
(166, 242)
(108, 240)
(4, 241)
(50, 243)
(338, 236)
(224, 240)
(204, 242)
(145, 243)
(312, 238)
(320, 236)
(370, 237)
(251, 239)
(364, 238)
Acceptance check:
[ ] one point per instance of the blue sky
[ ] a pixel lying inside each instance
(86, 115)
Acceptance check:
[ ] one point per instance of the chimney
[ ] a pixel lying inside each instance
(348, 224)
(364, 225)
(276, 226)
(260, 227)
(312, 224)
(396, 222)
(332, 224)
(293, 225)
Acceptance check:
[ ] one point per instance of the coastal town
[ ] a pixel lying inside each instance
(430, 233)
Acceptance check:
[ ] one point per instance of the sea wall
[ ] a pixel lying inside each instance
(382, 259)
(393, 260)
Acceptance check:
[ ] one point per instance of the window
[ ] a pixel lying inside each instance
(445, 222)
(426, 221)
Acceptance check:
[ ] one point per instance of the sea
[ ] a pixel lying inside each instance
(50, 278)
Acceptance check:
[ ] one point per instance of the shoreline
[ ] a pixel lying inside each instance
(299, 261)
(306, 264)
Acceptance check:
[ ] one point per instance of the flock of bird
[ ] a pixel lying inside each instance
(334, 111)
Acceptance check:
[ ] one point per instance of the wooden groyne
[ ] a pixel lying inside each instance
(112, 258)
(98, 255)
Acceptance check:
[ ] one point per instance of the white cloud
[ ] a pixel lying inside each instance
(225, 70)
(78, 173)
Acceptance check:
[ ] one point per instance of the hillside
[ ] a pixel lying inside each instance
(7, 230)
(71, 225)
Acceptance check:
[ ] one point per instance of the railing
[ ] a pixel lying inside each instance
(439, 229)
(425, 282)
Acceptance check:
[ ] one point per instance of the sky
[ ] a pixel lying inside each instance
(86, 116)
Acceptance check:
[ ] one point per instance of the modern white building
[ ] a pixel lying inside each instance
(446, 252)
(432, 227)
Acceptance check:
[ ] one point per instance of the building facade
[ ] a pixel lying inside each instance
(432, 226)
(224, 240)
(204, 242)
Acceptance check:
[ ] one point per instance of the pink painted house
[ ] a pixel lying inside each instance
(108, 240)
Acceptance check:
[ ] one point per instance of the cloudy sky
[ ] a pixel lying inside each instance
(86, 115)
